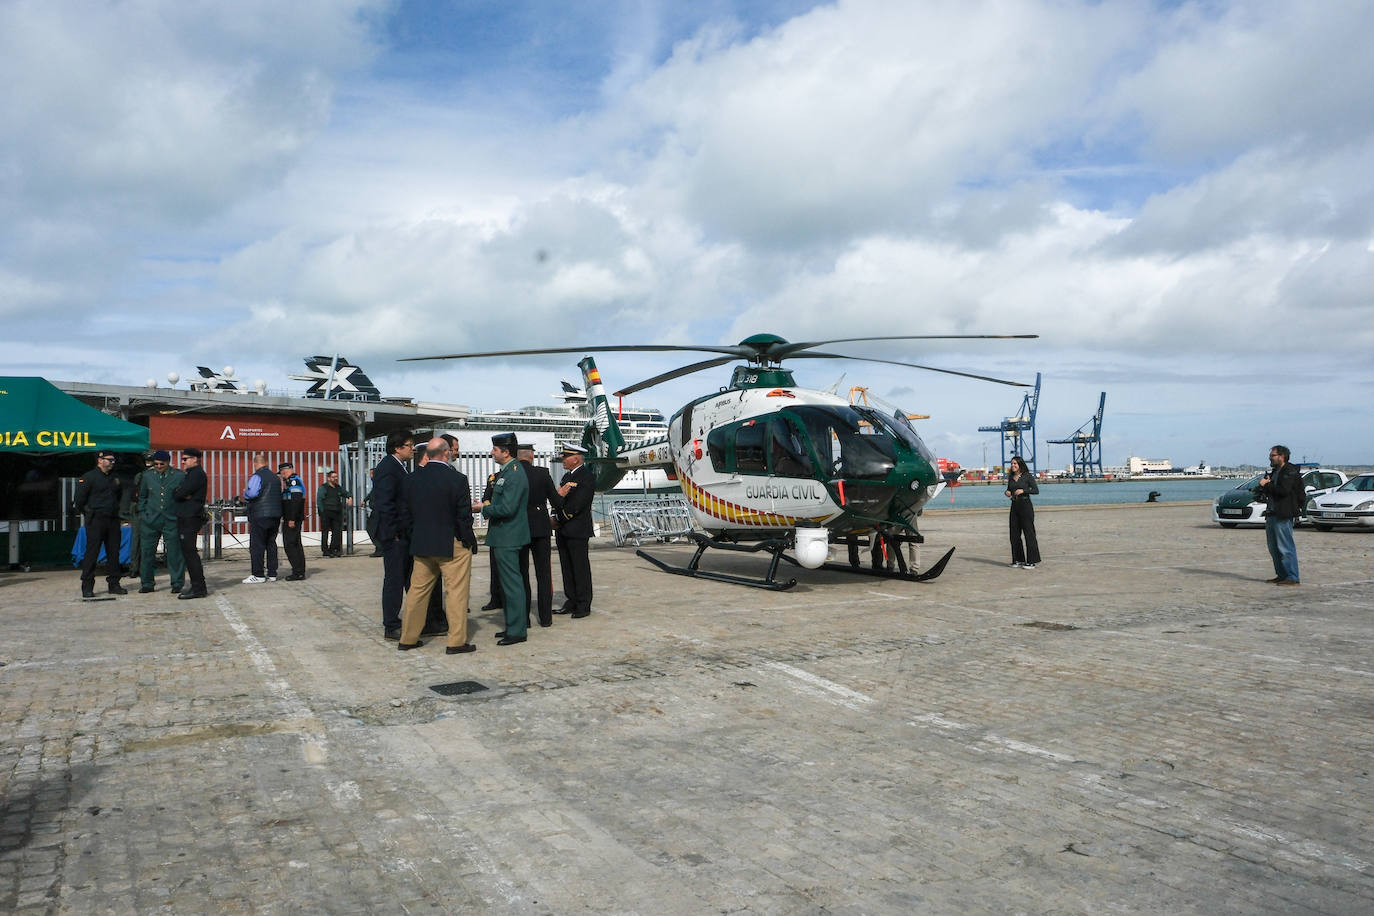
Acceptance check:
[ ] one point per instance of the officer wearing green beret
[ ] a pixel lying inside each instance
(508, 529)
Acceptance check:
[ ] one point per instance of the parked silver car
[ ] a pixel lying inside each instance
(1348, 506)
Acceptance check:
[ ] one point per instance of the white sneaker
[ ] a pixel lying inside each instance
(1028, 566)
(271, 578)
(1015, 565)
(253, 580)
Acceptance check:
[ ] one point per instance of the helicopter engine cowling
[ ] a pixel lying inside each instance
(812, 547)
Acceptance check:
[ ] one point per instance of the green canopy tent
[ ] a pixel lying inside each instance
(46, 434)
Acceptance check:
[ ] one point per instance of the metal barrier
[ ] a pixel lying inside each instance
(638, 520)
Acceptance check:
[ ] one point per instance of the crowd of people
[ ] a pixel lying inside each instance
(420, 522)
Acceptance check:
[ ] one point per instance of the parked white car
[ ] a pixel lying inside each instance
(1240, 507)
(1348, 506)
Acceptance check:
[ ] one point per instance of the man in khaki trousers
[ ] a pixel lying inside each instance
(436, 505)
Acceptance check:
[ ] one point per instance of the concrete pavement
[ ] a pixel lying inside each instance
(1139, 725)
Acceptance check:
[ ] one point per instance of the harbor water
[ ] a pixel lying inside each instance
(1115, 492)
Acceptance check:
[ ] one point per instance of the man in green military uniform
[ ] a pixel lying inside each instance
(508, 529)
(157, 512)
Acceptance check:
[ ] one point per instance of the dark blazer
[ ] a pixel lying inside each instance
(387, 480)
(542, 494)
(438, 502)
(575, 517)
(190, 493)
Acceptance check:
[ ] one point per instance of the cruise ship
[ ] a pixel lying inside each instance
(566, 420)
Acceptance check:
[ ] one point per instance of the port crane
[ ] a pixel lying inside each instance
(1013, 430)
(1087, 445)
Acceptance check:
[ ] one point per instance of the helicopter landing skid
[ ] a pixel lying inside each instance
(774, 547)
(882, 573)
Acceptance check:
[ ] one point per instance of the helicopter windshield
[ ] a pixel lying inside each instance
(900, 427)
(847, 440)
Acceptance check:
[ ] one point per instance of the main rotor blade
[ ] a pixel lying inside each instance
(792, 349)
(734, 352)
(676, 373)
(892, 362)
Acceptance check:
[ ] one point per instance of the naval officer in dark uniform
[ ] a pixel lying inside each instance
(574, 529)
(508, 530)
(543, 497)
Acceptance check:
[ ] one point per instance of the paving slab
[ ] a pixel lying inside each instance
(1139, 725)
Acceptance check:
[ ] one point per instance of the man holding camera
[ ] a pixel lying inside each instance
(1283, 491)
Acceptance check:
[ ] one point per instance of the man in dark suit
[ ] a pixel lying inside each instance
(574, 529)
(387, 480)
(436, 501)
(189, 496)
(543, 496)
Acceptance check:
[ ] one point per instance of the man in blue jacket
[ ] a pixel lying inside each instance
(263, 495)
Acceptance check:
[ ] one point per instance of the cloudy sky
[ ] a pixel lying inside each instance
(1178, 197)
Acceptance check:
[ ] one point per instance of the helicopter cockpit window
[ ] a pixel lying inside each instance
(900, 427)
(715, 446)
(842, 442)
(749, 449)
(788, 452)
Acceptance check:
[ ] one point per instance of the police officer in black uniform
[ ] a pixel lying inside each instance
(97, 502)
(189, 496)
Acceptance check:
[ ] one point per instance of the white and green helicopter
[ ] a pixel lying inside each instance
(769, 466)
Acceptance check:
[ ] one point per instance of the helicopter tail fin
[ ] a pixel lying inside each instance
(602, 436)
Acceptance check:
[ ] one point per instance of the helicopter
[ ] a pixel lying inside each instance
(769, 466)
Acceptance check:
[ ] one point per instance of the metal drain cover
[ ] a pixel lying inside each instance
(458, 688)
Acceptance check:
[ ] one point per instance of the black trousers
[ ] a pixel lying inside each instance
(396, 566)
(291, 543)
(331, 534)
(262, 543)
(188, 529)
(101, 531)
(1022, 524)
(540, 549)
(497, 598)
(577, 574)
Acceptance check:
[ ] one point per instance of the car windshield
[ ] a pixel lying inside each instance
(1361, 484)
(1251, 483)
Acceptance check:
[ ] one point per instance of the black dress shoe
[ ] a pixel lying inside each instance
(508, 641)
(491, 606)
(117, 589)
(392, 633)
(565, 609)
(459, 650)
(88, 593)
(145, 590)
(295, 578)
(186, 596)
(579, 614)
(407, 646)
(546, 623)
(501, 634)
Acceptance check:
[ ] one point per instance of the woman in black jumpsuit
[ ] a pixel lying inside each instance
(1020, 487)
